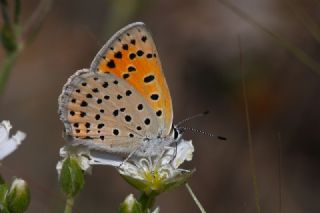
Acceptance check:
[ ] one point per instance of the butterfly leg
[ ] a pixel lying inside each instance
(174, 152)
(128, 157)
(157, 160)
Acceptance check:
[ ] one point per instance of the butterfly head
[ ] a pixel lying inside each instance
(177, 132)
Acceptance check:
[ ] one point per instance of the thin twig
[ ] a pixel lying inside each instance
(4, 11)
(280, 173)
(35, 22)
(17, 12)
(195, 199)
(251, 149)
(295, 51)
(6, 67)
(306, 20)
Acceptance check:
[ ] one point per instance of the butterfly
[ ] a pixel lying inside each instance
(122, 103)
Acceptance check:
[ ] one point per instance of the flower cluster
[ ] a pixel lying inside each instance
(150, 175)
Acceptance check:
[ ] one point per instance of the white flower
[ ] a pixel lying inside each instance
(87, 157)
(7, 144)
(144, 173)
(82, 155)
(159, 174)
(166, 165)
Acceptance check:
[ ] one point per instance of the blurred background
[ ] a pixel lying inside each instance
(198, 42)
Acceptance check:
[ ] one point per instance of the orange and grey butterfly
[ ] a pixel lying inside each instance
(122, 102)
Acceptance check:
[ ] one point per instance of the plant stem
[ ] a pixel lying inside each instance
(69, 205)
(295, 51)
(202, 210)
(250, 142)
(147, 201)
(33, 25)
(17, 11)
(7, 67)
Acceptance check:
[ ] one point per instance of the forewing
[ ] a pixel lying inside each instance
(132, 55)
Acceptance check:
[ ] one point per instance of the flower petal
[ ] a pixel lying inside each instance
(184, 151)
(8, 145)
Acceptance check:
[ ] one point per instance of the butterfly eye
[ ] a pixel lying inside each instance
(175, 133)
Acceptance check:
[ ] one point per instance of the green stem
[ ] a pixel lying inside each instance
(4, 10)
(17, 11)
(147, 201)
(69, 205)
(7, 67)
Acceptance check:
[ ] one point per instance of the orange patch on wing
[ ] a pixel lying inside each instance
(139, 65)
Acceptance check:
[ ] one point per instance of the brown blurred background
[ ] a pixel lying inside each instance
(198, 42)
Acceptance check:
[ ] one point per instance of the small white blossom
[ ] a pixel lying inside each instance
(87, 157)
(81, 153)
(159, 174)
(145, 173)
(167, 164)
(9, 144)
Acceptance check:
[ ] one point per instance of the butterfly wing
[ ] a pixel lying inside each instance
(101, 110)
(132, 56)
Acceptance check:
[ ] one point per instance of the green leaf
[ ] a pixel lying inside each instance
(71, 177)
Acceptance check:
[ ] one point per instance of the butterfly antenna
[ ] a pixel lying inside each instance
(202, 132)
(192, 117)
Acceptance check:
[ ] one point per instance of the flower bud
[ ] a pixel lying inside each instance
(3, 192)
(71, 177)
(156, 210)
(18, 197)
(130, 205)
